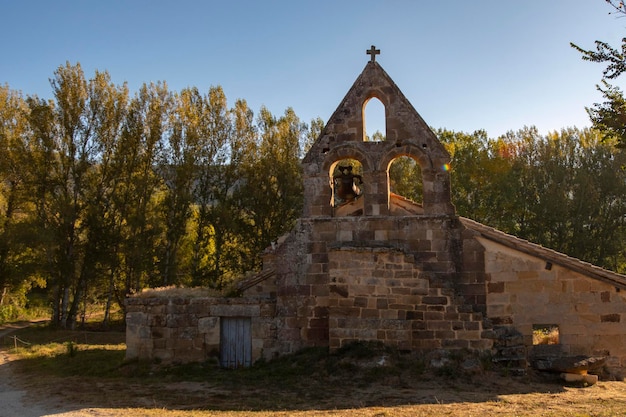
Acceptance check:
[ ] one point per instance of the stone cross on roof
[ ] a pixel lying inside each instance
(373, 52)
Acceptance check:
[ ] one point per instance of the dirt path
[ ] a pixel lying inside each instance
(17, 402)
(13, 401)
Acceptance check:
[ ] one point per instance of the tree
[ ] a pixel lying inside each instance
(609, 117)
(212, 202)
(564, 190)
(135, 201)
(18, 260)
(270, 192)
(480, 169)
(405, 178)
(74, 139)
(107, 107)
(315, 130)
(177, 168)
(102, 195)
(72, 156)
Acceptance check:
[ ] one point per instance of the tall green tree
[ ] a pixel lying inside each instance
(74, 138)
(609, 116)
(178, 168)
(18, 259)
(107, 110)
(270, 193)
(212, 202)
(73, 146)
(139, 190)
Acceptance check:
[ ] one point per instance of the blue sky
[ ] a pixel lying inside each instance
(464, 65)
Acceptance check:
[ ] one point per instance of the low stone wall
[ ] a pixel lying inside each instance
(187, 329)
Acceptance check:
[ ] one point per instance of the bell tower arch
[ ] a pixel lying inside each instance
(406, 134)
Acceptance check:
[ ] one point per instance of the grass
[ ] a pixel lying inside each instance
(546, 334)
(88, 369)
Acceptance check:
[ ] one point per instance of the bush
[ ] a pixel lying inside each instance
(9, 313)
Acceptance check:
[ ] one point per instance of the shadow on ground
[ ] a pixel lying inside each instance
(309, 380)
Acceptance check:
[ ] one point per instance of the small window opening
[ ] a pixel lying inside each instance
(545, 334)
(405, 178)
(374, 121)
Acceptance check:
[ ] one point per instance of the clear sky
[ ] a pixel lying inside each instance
(464, 65)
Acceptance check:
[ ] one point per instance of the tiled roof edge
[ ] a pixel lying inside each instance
(550, 255)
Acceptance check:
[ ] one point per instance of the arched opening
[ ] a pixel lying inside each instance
(347, 187)
(406, 190)
(374, 120)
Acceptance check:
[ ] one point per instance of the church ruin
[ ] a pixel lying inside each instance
(364, 264)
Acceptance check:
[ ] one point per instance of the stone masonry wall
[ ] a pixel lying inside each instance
(393, 279)
(380, 294)
(184, 330)
(524, 291)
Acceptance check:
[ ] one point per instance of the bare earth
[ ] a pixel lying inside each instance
(484, 396)
(14, 401)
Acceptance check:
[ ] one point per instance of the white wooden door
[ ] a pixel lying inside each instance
(235, 342)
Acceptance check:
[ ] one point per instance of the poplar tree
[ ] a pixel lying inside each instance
(18, 259)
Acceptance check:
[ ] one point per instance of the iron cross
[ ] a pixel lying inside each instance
(373, 52)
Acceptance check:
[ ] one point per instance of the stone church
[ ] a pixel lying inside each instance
(365, 264)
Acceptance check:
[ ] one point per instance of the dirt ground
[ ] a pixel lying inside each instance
(74, 397)
(489, 394)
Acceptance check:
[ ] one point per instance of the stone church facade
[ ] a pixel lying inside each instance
(374, 266)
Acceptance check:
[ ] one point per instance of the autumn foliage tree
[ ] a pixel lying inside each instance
(565, 190)
(103, 194)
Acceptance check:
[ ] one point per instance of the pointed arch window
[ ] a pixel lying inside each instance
(374, 120)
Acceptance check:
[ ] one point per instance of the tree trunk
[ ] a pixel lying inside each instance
(64, 307)
(5, 290)
(107, 309)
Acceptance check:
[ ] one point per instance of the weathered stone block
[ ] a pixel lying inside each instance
(423, 334)
(137, 319)
(433, 315)
(235, 310)
(414, 315)
(360, 301)
(455, 343)
(435, 300)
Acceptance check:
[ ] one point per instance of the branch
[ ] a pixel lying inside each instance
(605, 53)
(619, 7)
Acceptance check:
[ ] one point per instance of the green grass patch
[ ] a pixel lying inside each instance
(39, 334)
(89, 352)
(70, 359)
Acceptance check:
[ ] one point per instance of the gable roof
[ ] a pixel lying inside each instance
(549, 255)
(403, 123)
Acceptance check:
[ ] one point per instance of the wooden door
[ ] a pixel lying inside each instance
(235, 342)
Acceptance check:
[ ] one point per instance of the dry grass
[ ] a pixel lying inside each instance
(546, 335)
(95, 380)
(169, 292)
